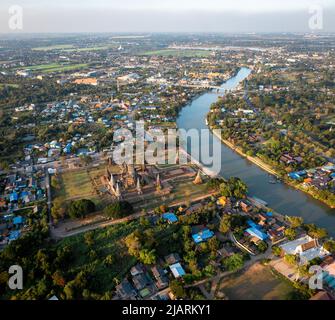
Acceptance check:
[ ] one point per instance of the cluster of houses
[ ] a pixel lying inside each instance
(11, 227)
(152, 283)
(289, 159)
(320, 178)
(21, 189)
(18, 191)
(261, 226)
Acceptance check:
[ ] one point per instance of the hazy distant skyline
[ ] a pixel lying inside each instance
(167, 15)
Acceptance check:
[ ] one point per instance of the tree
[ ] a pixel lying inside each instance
(315, 232)
(262, 246)
(89, 239)
(213, 245)
(295, 222)
(177, 289)
(119, 209)
(276, 251)
(290, 233)
(330, 246)
(58, 209)
(81, 208)
(109, 260)
(215, 183)
(234, 187)
(58, 279)
(147, 256)
(134, 245)
(290, 259)
(225, 224)
(234, 262)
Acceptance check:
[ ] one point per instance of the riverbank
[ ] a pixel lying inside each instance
(260, 163)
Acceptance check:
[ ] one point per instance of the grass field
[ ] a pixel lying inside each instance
(76, 185)
(53, 47)
(257, 283)
(98, 48)
(106, 242)
(72, 48)
(54, 67)
(178, 53)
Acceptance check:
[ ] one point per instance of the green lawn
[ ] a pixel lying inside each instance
(75, 185)
(54, 67)
(178, 53)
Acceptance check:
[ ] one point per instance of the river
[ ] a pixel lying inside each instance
(280, 197)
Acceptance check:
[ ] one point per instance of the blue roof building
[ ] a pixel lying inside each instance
(170, 217)
(257, 232)
(18, 220)
(202, 236)
(68, 148)
(14, 235)
(13, 197)
(177, 270)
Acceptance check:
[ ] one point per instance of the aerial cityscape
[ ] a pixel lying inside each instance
(195, 162)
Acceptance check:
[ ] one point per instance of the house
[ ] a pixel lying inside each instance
(140, 281)
(202, 236)
(194, 208)
(170, 217)
(172, 258)
(306, 248)
(246, 206)
(18, 220)
(162, 281)
(134, 271)
(257, 233)
(125, 291)
(177, 270)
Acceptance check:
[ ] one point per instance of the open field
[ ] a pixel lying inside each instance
(77, 184)
(89, 48)
(256, 283)
(73, 48)
(54, 47)
(54, 67)
(178, 53)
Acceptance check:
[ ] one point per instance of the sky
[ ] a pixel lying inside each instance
(167, 15)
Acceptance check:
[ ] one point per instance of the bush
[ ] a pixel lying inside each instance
(81, 208)
(119, 209)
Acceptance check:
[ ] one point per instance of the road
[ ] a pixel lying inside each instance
(62, 229)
